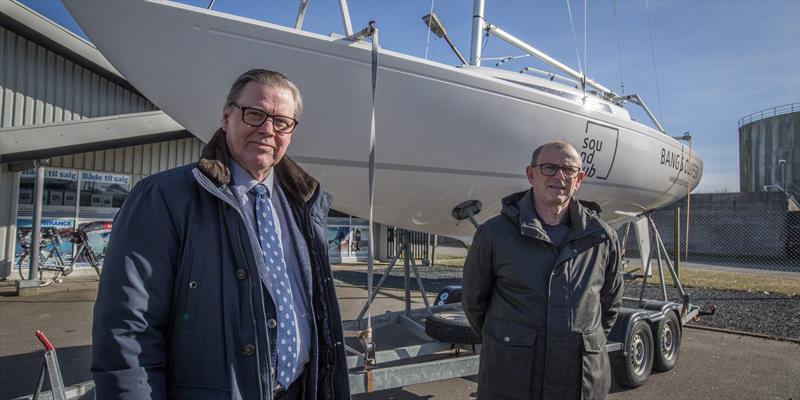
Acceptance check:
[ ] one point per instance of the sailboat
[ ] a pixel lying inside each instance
(446, 134)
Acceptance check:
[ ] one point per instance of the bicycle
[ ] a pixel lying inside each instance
(51, 266)
(80, 239)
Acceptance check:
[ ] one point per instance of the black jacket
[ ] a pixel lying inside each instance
(526, 355)
(181, 310)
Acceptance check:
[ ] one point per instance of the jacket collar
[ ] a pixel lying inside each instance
(215, 164)
(519, 207)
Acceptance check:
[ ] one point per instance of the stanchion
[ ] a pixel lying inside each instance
(50, 367)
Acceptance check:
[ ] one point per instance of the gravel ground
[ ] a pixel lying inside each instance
(763, 313)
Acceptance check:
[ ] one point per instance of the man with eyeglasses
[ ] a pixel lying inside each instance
(542, 288)
(216, 281)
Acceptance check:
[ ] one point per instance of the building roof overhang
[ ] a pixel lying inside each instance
(92, 134)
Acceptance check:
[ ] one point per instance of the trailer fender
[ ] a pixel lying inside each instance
(626, 318)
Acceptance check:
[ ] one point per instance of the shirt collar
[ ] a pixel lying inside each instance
(243, 182)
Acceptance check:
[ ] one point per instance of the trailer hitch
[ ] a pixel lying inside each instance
(712, 309)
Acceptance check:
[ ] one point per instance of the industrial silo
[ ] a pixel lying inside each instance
(769, 150)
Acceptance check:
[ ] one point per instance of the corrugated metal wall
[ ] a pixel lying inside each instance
(139, 161)
(39, 86)
(761, 145)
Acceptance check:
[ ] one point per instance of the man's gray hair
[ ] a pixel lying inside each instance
(268, 78)
(561, 143)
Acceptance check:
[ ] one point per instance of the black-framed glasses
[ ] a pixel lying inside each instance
(255, 118)
(548, 169)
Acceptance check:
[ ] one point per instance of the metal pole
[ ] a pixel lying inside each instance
(477, 33)
(677, 244)
(348, 26)
(660, 244)
(782, 163)
(661, 269)
(36, 241)
(455, 50)
(301, 14)
(350, 235)
(407, 273)
(379, 286)
(433, 249)
(421, 287)
(508, 38)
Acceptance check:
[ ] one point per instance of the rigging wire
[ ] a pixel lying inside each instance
(430, 22)
(574, 39)
(655, 68)
(619, 50)
(585, 45)
(688, 203)
(486, 37)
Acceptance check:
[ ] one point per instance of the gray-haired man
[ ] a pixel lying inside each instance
(217, 282)
(542, 287)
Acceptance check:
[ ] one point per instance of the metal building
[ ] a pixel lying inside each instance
(73, 127)
(769, 150)
(65, 109)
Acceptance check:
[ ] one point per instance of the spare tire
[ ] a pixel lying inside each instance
(449, 295)
(450, 327)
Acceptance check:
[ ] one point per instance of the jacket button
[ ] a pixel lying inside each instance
(574, 251)
(241, 273)
(506, 339)
(271, 323)
(193, 285)
(248, 349)
(603, 235)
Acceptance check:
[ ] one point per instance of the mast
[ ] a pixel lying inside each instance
(477, 33)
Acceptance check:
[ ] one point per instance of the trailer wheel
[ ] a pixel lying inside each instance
(632, 370)
(667, 343)
(450, 327)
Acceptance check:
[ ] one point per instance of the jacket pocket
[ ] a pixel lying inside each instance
(197, 346)
(507, 358)
(190, 283)
(596, 374)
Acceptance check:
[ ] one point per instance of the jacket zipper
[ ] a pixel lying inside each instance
(255, 324)
(215, 191)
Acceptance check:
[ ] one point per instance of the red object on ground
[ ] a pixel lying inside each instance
(45, 342)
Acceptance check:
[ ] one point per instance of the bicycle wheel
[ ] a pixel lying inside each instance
(49, 275)
(23, 262)
(51, 268)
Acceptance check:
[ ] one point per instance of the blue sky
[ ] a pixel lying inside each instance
(715, 61)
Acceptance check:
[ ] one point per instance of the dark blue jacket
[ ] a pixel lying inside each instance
(181, 312)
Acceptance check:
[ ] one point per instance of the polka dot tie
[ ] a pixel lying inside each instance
(278, 285)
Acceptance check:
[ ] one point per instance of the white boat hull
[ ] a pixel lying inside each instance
(444, 134)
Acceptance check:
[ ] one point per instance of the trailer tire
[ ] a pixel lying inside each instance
(450, 327)
(667, 343)
(633, 369)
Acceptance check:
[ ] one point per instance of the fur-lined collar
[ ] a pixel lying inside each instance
(215, 164)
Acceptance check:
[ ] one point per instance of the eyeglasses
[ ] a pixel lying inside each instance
(255, 118)
(552, 169)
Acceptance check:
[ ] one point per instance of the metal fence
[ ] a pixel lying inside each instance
(420, 242)
(735, 249)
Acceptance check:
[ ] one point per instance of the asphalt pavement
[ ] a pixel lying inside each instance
(712, 365)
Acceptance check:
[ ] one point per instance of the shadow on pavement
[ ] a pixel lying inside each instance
(19, 373)
(432, 285)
